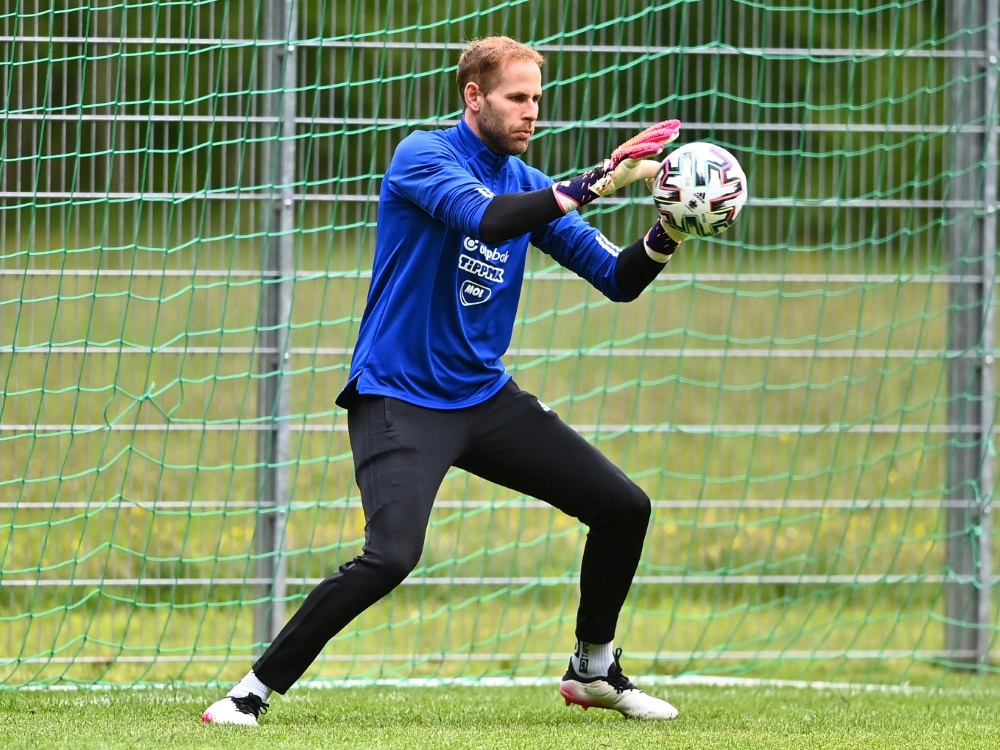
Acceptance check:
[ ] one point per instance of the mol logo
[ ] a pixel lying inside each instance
(472, 293)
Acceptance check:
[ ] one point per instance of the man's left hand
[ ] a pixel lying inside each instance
(627, 163)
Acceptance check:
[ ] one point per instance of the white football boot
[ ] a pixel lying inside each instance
(243, 711)
(616, 692)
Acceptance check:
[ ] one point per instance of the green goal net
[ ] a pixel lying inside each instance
(188, 205)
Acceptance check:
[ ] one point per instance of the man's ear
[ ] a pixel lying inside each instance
(473, 96)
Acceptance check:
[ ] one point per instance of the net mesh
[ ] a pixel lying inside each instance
(784, 394)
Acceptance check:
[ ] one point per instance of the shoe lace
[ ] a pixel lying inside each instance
(251, 704)
(616, 679)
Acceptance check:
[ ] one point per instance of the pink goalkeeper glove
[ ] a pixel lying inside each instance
(628, 163)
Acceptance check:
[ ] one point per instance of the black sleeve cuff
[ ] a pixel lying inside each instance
(514, 214)
(634, 269)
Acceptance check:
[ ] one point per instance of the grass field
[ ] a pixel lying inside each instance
(135, 457)
(512, 718)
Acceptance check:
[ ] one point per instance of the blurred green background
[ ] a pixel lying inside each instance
(781, 392)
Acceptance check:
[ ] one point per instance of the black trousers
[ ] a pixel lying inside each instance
(401, 454)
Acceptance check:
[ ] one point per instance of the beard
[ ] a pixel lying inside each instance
(496, 135)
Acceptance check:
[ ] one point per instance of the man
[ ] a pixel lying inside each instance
(427, 390)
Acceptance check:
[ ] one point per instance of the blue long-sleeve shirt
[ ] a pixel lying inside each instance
(441, 306)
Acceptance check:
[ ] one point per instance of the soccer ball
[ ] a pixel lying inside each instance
(700, 189)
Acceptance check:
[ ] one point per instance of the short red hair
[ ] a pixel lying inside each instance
(483, 61)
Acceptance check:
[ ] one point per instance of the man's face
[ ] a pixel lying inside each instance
(505, 118)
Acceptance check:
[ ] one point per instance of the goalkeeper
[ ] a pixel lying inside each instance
(427, 390)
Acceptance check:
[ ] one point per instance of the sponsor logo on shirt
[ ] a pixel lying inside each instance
(493, 256)
(480, 269)
(473, 293)
(489, 254)
(478, 260)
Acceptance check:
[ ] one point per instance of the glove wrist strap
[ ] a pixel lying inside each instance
(578, 191)
(659, 245)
